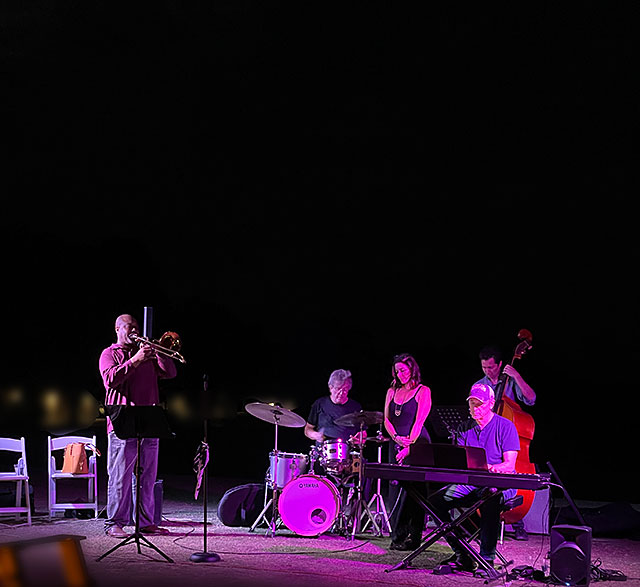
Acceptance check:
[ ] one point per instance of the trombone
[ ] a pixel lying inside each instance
(168, 345)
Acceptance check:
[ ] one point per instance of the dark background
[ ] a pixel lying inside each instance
(300, 188)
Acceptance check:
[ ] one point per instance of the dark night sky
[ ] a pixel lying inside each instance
(296, 189)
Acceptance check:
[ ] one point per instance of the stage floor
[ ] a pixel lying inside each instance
(259, 559)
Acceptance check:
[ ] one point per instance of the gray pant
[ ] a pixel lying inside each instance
(121, 460)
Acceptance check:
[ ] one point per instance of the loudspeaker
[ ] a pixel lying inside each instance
(158, 494)
(536, 521)
(570, 562)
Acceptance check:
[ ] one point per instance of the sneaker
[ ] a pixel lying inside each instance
(116, 532)
(153, 529)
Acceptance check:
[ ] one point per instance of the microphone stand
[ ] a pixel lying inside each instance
(205, 556)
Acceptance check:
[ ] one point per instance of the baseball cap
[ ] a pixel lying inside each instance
(482, 392)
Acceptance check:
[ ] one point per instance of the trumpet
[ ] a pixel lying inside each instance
(168, 345)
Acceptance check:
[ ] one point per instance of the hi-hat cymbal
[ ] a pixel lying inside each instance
(275, 414)
(377, 439)
(360, 418)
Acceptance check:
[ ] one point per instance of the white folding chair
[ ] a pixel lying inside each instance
(55, 474)
(19, 476)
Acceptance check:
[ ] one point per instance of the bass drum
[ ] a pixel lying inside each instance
(309, 505)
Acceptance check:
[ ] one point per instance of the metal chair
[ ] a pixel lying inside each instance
(19, 476)
(56, 474)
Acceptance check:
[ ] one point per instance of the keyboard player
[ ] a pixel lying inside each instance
(499, 437)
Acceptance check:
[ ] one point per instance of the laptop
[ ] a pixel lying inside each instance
(446, 456)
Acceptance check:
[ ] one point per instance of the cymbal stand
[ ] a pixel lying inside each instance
(381, 510)
(275, 490)
(361, 507)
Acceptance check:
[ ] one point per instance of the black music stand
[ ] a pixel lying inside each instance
(138, 422)
(446, 420)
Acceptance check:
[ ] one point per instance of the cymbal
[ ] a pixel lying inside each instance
(275, 414)
(377, 439)
(360, 418)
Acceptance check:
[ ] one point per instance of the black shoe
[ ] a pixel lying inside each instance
(460, 561)
(482, 572)
(465, 563)
(451, 560)
(406, 544)
(521, 533)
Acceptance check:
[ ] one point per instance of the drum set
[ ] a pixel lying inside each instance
(322, 490)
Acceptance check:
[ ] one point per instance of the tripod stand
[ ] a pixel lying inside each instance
(273, 501)
(361, 507)
(361, 419)
(380, 511)
(139, 422)
(277, 415)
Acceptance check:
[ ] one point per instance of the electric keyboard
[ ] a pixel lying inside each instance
(478, 478)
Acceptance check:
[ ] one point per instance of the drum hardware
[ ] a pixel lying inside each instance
(361, 419)
(361, 507)
(380, 511)
(275, 414)
(313, 458)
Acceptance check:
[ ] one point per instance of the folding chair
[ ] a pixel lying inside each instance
(55, 474)
(19, 476)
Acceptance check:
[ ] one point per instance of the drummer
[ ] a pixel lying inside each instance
(326, 410)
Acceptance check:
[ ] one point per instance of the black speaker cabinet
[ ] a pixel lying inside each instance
(570, 562)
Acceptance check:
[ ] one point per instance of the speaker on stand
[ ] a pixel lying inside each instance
(570, 558)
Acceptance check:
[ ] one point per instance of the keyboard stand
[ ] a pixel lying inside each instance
(446, 528)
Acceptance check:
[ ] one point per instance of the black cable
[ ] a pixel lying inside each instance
(600, 574)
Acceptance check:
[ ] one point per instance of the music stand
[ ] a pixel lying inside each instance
(138, 422)
(446, 420)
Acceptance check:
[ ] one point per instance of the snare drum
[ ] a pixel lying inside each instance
(334, 455)
(309, 505)
(285, 466)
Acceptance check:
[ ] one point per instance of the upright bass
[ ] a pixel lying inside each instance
(525, 425)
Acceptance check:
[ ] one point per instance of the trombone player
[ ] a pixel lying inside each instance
(130, 376)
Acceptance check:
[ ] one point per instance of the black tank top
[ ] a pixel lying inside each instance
(404, 421)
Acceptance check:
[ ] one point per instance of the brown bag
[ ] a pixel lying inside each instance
(75, 459)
